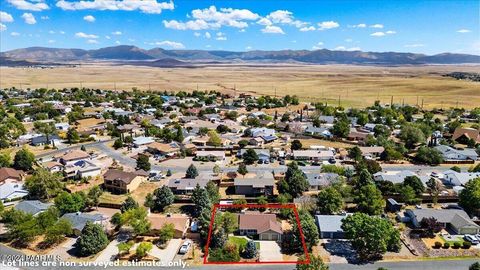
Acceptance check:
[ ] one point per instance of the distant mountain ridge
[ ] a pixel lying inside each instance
(323, 56)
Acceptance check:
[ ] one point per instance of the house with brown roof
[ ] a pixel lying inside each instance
(180, 223)
(265, 226)
(118, 181)
(72, 156)
(9, 175)
(463, 135)
(165, 149)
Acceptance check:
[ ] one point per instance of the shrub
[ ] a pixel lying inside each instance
(437, 245)
(446, 245)
(467, 245)
(457, 245)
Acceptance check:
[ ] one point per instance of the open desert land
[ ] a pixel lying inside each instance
(355, 86)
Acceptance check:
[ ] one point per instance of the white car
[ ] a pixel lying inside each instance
(185, 247)
(478, 236)
(470, 238)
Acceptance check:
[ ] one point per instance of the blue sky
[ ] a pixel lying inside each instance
(405, 26)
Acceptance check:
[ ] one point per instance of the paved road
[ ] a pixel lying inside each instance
(76, 146)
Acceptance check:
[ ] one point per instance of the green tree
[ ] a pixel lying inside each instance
(411, 136)
(369, 200)
(355, 153)
(163, 197)
(137, 219)
(69, 203)
(214, 139)
(296, 145)
(5, 160)
(371, 236)
(192, 172)
(124, 247)
(316, 263)
(179, 134)
(200, 200)
(43, 185)
(166, 233)
(430, 156)
(295, 182)
(143, 163)
(22, 227)
(118, 143)
(23, 160)
(229, 222)
(93, 196)
(219, 238)
(475, 266)
(250, 156)
(329, 201)
(47, 218)
(242, 169)
(469, 197)
(251, 250)
(216, 169)
(408, 195)
(341, 128)
(72, 136)
(129, 203)
(56, 233)
(212, 190)
(309, 229)
(433, 189)
(143, 248)
(92, 240)
(390, 154)
(415, 183)
(46, 128)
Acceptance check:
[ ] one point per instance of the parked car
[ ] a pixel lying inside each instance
(478, 236)
(185, 247)
(332, 161)
(470, 238)
(282, 162)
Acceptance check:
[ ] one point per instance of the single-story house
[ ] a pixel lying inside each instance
(452, 154)
(79, 220)
(261, 131)
(53, 166)
(265, 226)
(42, 140)
(462, 135)
(180, 223)
(211, 155)
(372, 152)
(140, 141)
(12, 191)
(262, 184)
(165, 149)
(313, 155)
(186, 185)
(318, 180)
(33, 207)
(263, 154)
(9, 175)
(454, 178)
(118, 181)
(397, 177)
(330, 226)
(72, 156)
(454, 219)
(82, 169)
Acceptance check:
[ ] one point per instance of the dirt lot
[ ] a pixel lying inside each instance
(353, 85)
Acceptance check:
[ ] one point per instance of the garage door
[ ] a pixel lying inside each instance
(274, 237)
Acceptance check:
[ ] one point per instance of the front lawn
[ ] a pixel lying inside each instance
(240, 242)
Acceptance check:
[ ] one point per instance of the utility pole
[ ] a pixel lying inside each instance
(338, 100)
(422, 103)
(115, 86)
(391, 102)
(234, 90)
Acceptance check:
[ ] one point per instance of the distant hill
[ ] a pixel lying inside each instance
(324, 56)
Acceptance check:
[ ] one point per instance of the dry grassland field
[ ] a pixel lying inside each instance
(355, 86)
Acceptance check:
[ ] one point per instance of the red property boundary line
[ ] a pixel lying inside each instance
(269, 205)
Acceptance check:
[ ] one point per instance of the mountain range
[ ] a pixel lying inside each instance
(162, 57)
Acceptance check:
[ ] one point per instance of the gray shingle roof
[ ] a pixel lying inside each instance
(33, 207)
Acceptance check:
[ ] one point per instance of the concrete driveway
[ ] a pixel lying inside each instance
(270, 251)
(109, 253)
(168, 254)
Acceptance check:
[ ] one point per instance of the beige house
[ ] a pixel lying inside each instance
(117, 181)
(180, 223)
(265, 226)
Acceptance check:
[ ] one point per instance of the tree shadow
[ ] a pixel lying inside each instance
(342, 248)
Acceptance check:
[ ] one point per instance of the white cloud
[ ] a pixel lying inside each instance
(45, 18)
(83, 35)
(307, 28)
(170, 44)
(3, 27)
(107, 37)
(377, 25)
(377, 34)
(14, 34)
(145, 6)
(318, 46)
(343, 48)
(29, 18)
(463, 31)
(264, 21)
(92, 41)
(213, 18)
(117, 33)
(62, 32)
(89, 18)
(360, 25)
(208, 35)
(348, 40)
(197, 34)
(390, 32)
(51, 32)
(248, 48)
(51, 41)
(5, 17)
(327, 25)
(272, 29)
(32, 5)
(131, 40)
(117, 42)
(415, 45)
(221, 36)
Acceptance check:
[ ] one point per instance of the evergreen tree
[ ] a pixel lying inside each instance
(200, 200)
(92, 240)
(192, 172)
